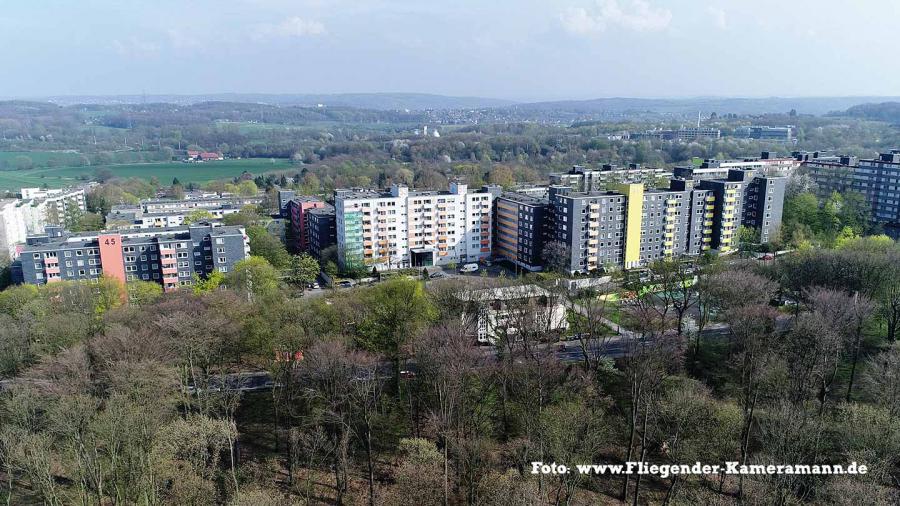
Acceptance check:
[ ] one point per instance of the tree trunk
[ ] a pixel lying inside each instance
(446, 472)
(637, 481)
(631, 433)
(853, 364)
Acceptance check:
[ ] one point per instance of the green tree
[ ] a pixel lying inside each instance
(304, 269)
(142, 293)
(209, 283)
(88, 221)
(198, 215)
(254, 275)
(247, 189)
(393, 311)
(263, 244)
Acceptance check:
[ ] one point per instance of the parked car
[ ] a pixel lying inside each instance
(437, 275)
(345, 284)
(313, 286)
(472, 267)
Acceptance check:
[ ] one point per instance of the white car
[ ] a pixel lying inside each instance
(468, 268)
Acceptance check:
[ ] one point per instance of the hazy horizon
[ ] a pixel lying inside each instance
(523, 51)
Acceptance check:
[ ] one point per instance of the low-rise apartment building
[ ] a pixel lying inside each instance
(163, 213)
(407, 228)
(505, 312)
(767, 163)
(169, 256)
(583, 179)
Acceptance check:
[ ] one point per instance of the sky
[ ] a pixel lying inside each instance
(513, 49)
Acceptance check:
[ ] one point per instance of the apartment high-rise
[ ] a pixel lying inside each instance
(296, 210)
(630, 226)
(34, 210)
(520, 228)
(167, 256)
(876, 179)
(402, 228)
(320, 227)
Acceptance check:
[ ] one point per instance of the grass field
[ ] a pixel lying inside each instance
(185, 172)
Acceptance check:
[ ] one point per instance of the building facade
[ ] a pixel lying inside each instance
(768, 133)
(501, 313)
(877, 180)
(167, 213)
(631, 226)
(583, 179)
(36, 209)
(402, 228)
(297, 210)
(519, 228)
(167, 256)
(321, 229)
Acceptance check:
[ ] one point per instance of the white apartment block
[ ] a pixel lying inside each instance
(36, 209)
(402, 228)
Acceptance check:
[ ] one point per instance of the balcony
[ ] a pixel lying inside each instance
(170, 271)
(52, 269)
(170, 279)
(710, 207)
(51, 261)
(167, 250)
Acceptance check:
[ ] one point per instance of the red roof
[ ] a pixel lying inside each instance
(210, 156)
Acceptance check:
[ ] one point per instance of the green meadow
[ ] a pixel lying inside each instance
(200, 173)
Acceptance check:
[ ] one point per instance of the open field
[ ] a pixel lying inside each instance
(186, 172)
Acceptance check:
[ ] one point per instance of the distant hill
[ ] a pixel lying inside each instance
(376, 101)
(884, 111)
(770, 105)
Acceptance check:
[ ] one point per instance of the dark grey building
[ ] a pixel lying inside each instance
(170, 256)
(520, 222)
(876, 179)
(320, 225)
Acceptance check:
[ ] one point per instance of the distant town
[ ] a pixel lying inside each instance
(585, 221)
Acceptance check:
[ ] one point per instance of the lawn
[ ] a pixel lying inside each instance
(165, 171)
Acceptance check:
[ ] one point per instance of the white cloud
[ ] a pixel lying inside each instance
(719, 17)
(136, 48)
(637, 15)
(291, 27)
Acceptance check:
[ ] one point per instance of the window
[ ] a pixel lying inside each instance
(222, 260)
